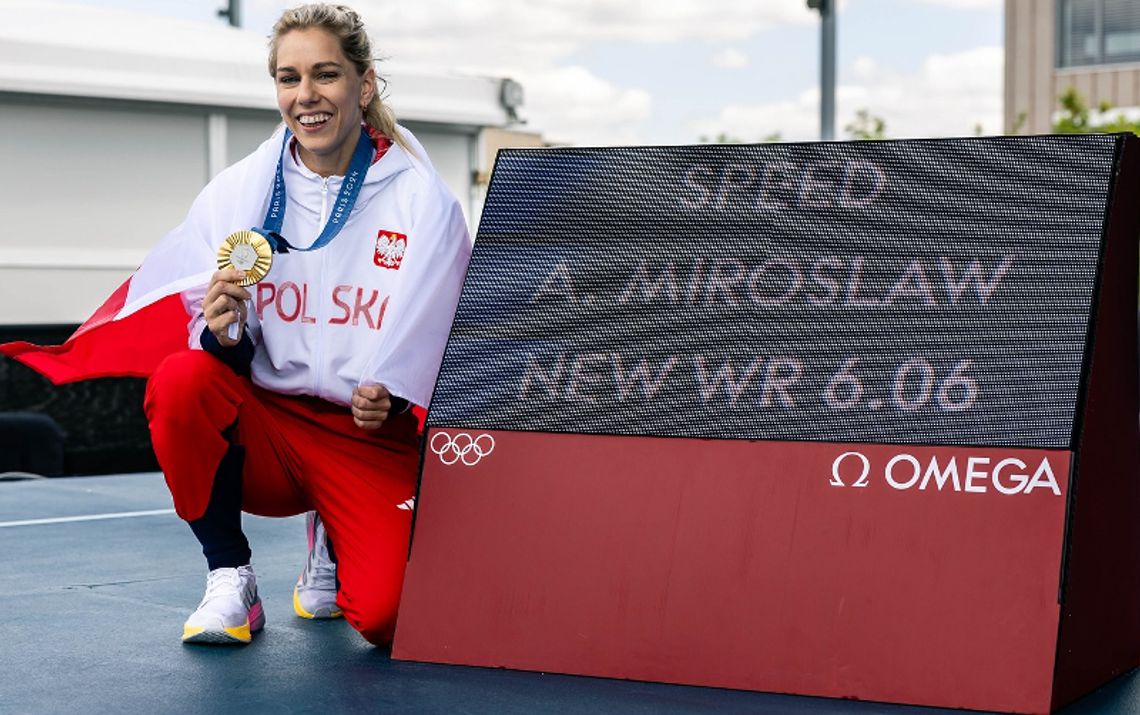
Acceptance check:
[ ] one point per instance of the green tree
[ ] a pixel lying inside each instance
(724, 138)
(1077, 118)
(866, 126)
(1019, 123)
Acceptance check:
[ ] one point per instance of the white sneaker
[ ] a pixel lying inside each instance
(230, 612)
(314, 596)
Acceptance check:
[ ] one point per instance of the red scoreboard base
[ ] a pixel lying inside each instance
(922, 575)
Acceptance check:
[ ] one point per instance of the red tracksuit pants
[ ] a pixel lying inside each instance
(301, 453)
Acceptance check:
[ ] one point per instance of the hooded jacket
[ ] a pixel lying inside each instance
(373, 306)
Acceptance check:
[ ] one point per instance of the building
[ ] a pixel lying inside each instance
(1051, 45)
(111, 122)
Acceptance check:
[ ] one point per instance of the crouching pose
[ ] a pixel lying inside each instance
(313, 340)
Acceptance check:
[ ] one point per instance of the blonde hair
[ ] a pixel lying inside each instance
(344, 24)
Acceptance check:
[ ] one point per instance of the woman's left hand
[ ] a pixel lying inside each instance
(370, 406)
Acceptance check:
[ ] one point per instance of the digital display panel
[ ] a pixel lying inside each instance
(922, 291)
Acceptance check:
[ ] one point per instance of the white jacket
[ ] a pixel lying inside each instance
(373, 306)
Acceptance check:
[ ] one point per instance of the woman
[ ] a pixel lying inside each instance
(294, 395)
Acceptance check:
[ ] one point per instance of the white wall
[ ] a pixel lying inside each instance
(451, 153)
(246, 132)
(85, 191)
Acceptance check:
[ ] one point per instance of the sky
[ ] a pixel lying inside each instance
(599, 72)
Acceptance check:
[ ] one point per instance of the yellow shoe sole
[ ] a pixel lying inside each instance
(335, 613)
(238, 635)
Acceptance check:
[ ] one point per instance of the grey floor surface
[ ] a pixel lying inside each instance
(93, 608)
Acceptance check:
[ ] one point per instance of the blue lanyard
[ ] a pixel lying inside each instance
(345, 200)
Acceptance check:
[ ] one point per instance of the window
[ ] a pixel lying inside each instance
(1121, 30)
(1093, 32)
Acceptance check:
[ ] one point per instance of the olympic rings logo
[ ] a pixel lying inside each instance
(461, 448)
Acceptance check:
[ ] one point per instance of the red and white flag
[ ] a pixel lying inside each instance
(147, 318)
(106, 346)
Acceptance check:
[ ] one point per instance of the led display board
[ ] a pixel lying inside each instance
(910, 292)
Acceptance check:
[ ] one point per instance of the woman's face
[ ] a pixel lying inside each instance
(320, 95)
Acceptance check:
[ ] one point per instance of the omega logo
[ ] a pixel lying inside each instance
(906, 471)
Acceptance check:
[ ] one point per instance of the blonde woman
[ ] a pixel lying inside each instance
(294, 395)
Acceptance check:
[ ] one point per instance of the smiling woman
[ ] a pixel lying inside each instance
(326, 85)
(294, 409)
(322, 98)
(298, 402)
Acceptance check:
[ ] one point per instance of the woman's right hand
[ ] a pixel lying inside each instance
(225, 304)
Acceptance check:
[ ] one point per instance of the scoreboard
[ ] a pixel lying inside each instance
(907, 292)
(857, 420)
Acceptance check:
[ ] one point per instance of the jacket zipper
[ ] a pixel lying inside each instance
(324, 204)
(319, 367)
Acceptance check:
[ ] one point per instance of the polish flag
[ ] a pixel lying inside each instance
(110, 344)
(147, 318)
(142, 322)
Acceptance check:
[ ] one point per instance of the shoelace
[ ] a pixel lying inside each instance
(222, 582)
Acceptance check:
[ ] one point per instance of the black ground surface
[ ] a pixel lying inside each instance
(93, 609)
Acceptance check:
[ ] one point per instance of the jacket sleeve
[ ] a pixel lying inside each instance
(232, 201)
(237, 357)
(207, 223)
(418, 320)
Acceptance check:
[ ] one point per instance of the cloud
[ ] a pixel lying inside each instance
(536, 42)
(947, 96)
(571, 104)
(532, 40)
(966, 4)
(509, 35)
(864, 69)
(590, 20)
(793, 119)
(730, 58)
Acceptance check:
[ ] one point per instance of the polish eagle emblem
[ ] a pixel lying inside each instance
(390, 247)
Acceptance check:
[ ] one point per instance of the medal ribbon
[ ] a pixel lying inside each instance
(345, 200)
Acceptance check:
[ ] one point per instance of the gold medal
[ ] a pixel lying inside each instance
(247, 251)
